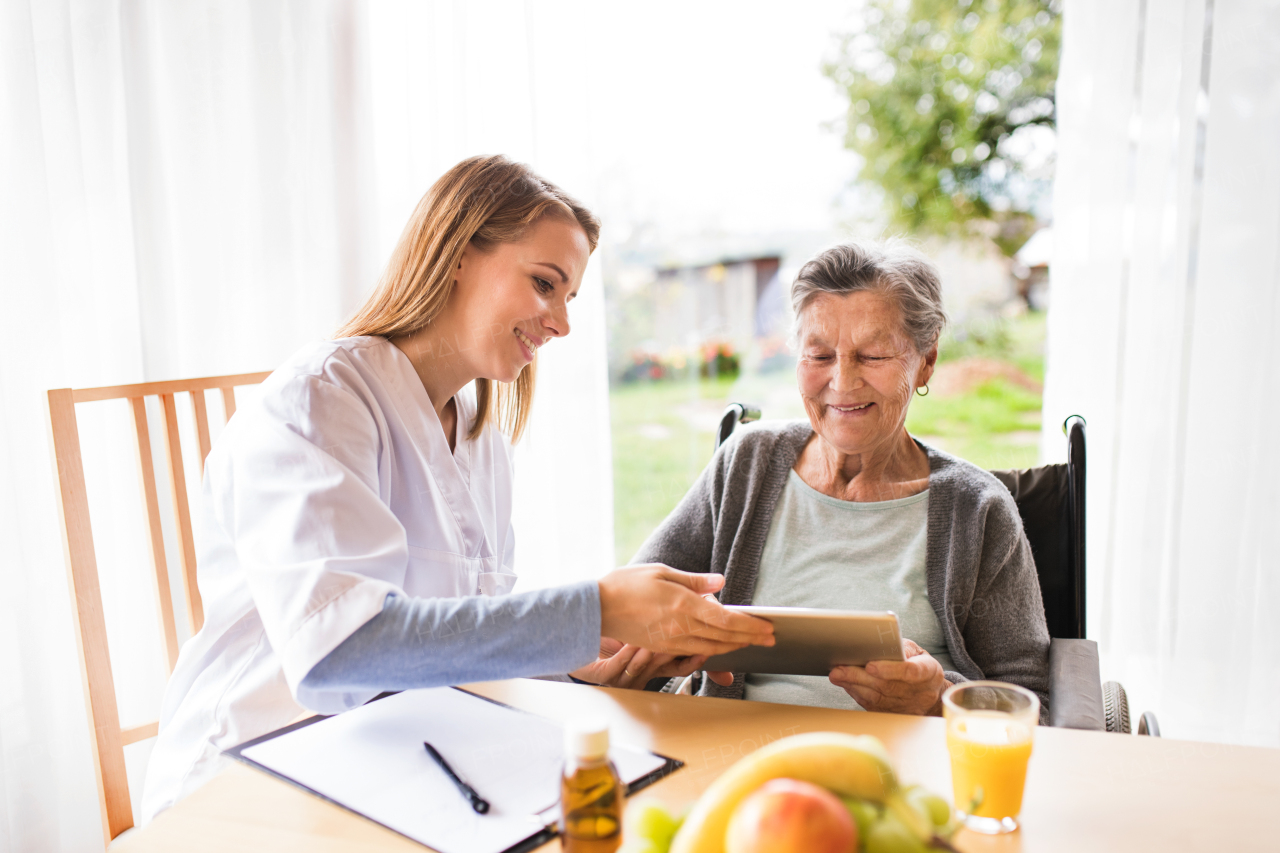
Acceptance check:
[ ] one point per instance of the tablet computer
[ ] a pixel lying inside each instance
(813, 641)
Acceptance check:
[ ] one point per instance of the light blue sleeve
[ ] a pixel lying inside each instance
(433, 642)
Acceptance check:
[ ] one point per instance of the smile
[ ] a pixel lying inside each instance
(852, 408)
(527, 341)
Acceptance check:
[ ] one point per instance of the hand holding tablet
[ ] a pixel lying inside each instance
(911, 686)
(812, 641)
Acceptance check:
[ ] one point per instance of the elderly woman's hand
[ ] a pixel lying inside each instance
(911, 686)
(631, 667)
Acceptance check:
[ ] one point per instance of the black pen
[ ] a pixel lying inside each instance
(479, 803)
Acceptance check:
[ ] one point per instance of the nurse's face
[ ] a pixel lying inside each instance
(515, 297)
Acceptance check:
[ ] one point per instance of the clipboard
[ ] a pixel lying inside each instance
(370, 761)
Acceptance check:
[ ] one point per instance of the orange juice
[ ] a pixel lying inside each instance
(989, 754)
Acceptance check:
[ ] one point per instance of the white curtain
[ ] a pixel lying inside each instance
(455, 79)
(196, 188)
(1163, 332)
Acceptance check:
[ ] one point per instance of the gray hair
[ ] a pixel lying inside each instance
(893, 268)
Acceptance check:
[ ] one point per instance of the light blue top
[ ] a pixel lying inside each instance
(432, 642)
(845, 555)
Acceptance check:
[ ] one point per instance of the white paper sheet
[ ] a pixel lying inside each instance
(371, 760)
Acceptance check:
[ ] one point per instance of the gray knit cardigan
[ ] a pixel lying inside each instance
(981, 577)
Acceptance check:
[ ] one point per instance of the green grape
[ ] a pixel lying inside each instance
(864, 814)
(651, 822)
(888, 835)
(929, 803)
(912, 816)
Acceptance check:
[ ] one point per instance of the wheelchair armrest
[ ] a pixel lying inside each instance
(1075, 686)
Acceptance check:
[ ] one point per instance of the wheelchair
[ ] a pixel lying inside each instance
(1051, 501)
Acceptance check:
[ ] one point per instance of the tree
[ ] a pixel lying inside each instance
(951, 105)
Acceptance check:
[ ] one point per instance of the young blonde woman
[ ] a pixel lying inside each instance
(356, 530)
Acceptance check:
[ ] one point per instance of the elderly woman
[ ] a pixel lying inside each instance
(847, 511)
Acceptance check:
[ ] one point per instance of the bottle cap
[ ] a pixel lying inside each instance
(586, 737)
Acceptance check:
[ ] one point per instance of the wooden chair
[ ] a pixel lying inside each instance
(108, 738)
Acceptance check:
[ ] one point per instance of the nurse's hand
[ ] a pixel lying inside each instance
(658, 608)
(622, 665)
(911, 686)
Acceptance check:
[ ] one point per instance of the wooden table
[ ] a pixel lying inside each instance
(1086, 791)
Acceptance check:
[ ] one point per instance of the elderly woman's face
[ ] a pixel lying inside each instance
(857, 369)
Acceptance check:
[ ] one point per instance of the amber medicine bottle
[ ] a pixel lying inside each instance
(591, 794)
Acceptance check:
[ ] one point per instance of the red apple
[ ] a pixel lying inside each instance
(790, 816)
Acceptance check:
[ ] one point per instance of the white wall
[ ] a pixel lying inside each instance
(1163, 333)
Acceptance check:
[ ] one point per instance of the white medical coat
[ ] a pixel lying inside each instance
(334, 489)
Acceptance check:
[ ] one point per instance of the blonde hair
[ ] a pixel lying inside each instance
(482, 201)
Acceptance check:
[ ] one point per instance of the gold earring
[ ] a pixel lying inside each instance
(926, 391)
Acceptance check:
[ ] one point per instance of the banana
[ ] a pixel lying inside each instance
(848, 765)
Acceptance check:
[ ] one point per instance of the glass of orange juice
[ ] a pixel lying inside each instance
(989, 730)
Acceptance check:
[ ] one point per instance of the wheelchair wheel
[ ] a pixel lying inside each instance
(1115, 704)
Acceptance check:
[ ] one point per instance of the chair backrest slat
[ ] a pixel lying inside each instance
(155, 532)
(108, 738)
(202, 425)
(182, 512)
(133, 734)
(87, 616)
(176, 386)
(229, 400)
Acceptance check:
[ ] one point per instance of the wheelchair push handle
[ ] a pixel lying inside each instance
(734, 414)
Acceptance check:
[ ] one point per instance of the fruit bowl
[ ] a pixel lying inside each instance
(821, 792)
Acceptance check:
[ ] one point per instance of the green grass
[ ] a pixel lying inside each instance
(994, 424)
(988, 451)
(663, 432)
(995, 406)
(1019, 341)
(652, 471)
